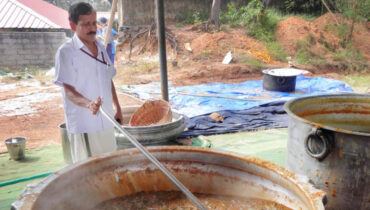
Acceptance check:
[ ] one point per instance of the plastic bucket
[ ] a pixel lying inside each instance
(16, 147)
(65, 143)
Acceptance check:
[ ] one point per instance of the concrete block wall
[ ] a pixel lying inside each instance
(22, 49)
(142, 12)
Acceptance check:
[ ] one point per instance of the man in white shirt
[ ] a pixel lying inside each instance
(84, 71)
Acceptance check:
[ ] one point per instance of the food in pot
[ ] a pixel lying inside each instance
(177, 200)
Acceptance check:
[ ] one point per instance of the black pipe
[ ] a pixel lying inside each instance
(162, 49)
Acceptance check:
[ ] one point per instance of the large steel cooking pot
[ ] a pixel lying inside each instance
(126, 172)
(329, 141)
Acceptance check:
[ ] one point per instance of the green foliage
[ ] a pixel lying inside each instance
(254, 63)
(205, 52)
(100, 5)
(347, 9)
(349, 53)
(190, 16)
(196, 17)
(231, 16)
(259, 26)
(276, 50)
(179, 25)
(304, 54)
(263, 30)
(252, 12)
(365, 10)
(302, 44)
(303, 6)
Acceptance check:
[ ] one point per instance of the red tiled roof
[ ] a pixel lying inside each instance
(32, 14)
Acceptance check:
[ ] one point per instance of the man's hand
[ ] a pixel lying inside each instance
(118, 117)
(94, 106)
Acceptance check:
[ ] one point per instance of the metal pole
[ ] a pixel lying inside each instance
(162, 49)
(110, 24)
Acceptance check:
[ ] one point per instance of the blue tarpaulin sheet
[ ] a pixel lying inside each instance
(265, 116)
(244, 106)
(198, 100)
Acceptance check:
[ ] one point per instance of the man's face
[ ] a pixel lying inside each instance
(86, 27)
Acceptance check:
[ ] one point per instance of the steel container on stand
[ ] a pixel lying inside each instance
(329, 141)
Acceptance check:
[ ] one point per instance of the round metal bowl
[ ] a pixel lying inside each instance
(150, 135)
(126, 172)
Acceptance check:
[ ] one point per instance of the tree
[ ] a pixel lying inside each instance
(215, 11)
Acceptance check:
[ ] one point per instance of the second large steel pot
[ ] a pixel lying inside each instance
(329, 141)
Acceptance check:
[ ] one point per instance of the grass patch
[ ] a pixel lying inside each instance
(276, 50)
(252, 62)
(205, 52)
(8, 79)
(179, 25)
(36, 73)
(44, 79)
(358, 81)
(129, 73)
(304, 54)
(349, 52)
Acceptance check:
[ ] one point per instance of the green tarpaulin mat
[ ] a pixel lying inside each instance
(267, 144)
(38, 161)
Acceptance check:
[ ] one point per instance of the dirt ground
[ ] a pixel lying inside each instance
(34, 110)
(321, 35)
(37, 120)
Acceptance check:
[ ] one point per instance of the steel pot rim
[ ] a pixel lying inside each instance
(265, 72)
(20, 139)
(288, 104)
(295, 74)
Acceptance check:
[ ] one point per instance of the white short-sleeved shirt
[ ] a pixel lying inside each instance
(90, 78)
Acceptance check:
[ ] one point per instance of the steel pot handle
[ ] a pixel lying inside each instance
(313, 142)
(281, 80)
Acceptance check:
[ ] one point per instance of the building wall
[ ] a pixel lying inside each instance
(142, 12)
(21, 49)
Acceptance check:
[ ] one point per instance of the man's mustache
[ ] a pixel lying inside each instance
(91, 33)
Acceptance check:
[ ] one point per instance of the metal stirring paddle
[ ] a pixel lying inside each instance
(154, 160)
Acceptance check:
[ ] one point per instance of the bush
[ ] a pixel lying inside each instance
(303, 6)
(190, 16)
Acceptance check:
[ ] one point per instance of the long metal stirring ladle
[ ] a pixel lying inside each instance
(154, 160)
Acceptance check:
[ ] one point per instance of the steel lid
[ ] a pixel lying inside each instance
(285, 72)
